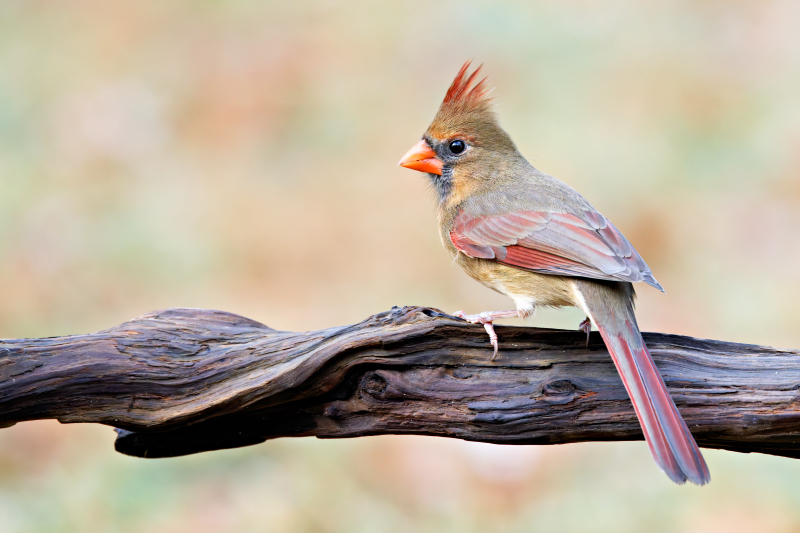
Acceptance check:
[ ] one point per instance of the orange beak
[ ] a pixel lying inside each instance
(421, 157)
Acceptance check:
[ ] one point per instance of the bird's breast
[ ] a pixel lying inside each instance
(526, 288)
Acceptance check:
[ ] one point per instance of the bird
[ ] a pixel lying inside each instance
(533, 238)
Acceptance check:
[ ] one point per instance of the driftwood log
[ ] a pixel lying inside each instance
(183, 381)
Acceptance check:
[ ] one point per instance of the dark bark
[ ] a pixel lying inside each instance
(183, 381)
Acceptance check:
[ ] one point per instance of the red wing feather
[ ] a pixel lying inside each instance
(552, 243)
(537, 260)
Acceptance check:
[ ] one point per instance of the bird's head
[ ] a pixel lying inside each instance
(464, 143)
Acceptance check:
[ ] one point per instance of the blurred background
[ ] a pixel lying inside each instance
(241, 155)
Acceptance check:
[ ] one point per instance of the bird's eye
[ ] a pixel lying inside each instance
(457, 146)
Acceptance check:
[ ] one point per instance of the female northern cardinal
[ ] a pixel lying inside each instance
(533, 238)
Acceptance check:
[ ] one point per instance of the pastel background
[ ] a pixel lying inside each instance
(241, 155)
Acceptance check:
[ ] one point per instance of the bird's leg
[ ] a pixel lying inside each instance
(486, 318)
(586, 327)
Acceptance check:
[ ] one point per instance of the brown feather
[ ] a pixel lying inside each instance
(533, 238)
(466, 112)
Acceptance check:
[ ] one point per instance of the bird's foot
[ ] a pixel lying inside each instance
(486, 318)
(586, 327)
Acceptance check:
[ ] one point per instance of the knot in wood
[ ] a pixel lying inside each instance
(374, 384)
(560, 386)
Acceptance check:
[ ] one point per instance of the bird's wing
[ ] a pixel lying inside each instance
(552, 243)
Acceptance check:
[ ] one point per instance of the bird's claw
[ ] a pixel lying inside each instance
(480, 318)
(586, 327)
(486, 318)
(492, 338)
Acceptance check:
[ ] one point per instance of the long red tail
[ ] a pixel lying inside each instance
(610, 308)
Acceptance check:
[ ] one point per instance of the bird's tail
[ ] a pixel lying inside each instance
(610, 308)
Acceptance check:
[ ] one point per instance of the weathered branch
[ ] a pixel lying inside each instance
(183, 381)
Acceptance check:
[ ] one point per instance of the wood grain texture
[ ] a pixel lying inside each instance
(182, 381)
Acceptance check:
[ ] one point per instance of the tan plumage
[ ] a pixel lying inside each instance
(533, 238)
